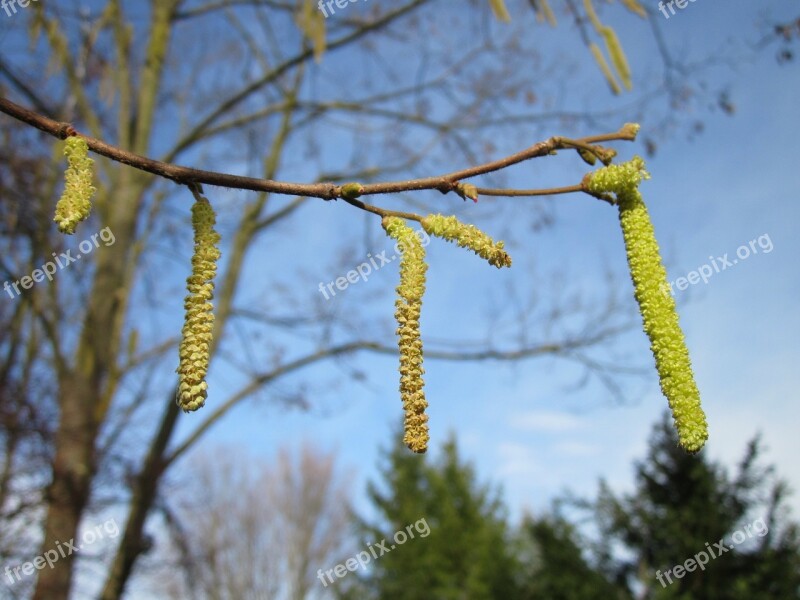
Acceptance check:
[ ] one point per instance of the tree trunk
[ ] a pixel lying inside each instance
(144, 493)
(68, 494)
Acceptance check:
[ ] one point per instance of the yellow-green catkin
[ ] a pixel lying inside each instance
(76, 200)
(195, 344)
(467, 236)
(604, 68)
(617, 54)
(635, 7)
(500, 11)
(659, 314)
(407, 312)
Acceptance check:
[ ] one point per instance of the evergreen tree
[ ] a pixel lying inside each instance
(467, 552)
(683, 507)
(555, 566)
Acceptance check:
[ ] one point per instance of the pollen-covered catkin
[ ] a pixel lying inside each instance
(407, 312)
(76, 200)
(659, 314)
(195, 344)
(467, 236)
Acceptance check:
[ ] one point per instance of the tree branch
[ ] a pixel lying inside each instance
(327, 191)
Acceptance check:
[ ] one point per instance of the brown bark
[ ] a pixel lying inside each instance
(144, 494)
(68, 494)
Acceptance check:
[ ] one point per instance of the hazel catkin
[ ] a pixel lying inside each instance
(194, 351)
(75, 203)
(659, 314)
(407, 312)
(467, 236)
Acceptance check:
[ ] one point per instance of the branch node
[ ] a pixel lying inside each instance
(65, 130)
(446, 186)
(331, 193)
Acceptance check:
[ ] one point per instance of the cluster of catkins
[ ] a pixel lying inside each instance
(659, 314)
(409, 304)
(74, 206)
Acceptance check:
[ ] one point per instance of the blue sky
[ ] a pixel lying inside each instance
(519, 424)
(523, 425)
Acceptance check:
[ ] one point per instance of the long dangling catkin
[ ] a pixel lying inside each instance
(76, 200)
(407, 311)
(617, 54)
(659, 314)
(604, 68)
(199, 320)
(467, 236)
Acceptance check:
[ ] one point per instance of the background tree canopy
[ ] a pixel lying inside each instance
(536, 368)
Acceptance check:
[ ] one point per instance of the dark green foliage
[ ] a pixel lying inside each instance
(556, 568)
(683, 502)
(467, 554)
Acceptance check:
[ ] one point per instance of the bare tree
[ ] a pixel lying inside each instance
(244, 530)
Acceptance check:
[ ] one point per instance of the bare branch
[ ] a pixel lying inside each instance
(327, 191)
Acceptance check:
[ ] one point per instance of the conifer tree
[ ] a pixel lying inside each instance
(555, 566)
(468, 552)
(684, 505)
